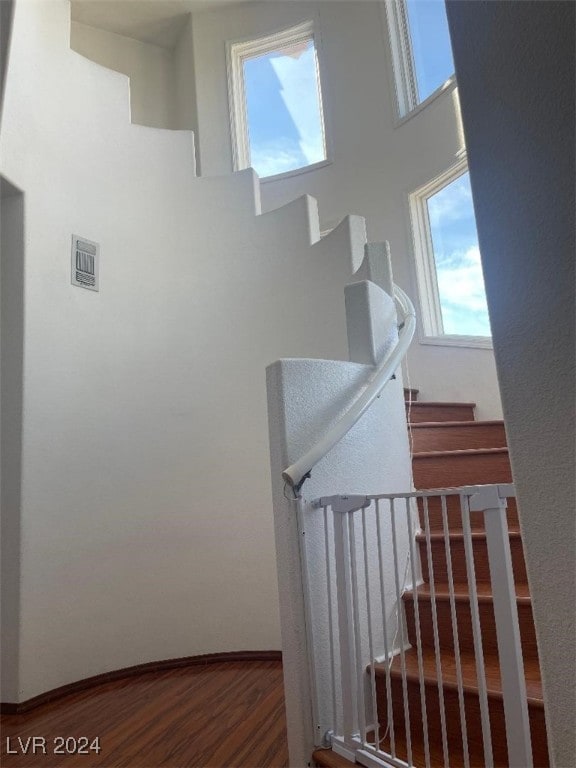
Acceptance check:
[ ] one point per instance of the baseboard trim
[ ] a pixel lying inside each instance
(10, 708)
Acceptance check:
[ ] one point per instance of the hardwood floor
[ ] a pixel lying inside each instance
(227, 715)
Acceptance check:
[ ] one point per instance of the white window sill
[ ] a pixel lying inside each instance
(295, 172)
(446, 87)
(475, 342)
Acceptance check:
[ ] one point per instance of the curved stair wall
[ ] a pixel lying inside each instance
(145, 517)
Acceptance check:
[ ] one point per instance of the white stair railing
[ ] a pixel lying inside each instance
(388, 678)
(296, 473)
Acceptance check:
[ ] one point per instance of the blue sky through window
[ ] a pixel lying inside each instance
(457, 258)
(283, 110)
(431, 44)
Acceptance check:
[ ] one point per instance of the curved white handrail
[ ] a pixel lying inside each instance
(295, 474)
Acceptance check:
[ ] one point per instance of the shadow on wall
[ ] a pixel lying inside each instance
(6, 12)
(11, 351)
(156, 55)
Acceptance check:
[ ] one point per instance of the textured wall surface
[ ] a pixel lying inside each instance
(6, 11)
(517, 93)
(305, 397)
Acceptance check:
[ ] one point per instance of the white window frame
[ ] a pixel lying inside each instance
(236, 53)
(431, 324)
(407, 99)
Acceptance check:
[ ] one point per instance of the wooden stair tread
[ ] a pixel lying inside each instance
(329, 759)
(457, 534)
(449, 492)
(419, 754)
(460, 452)
(454, 514)
(442, 404)
(448, 424)
(462, 467)
(462, 594)
(469, 676)
(435, 618)
(455, 750)
(326, 758)
(433, 435)
(417, 411)
(459, 562)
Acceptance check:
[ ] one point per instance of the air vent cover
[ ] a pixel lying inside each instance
(85, 263)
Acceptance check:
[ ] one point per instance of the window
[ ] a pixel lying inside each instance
(449, 271)
(276, 102)
(421, 50)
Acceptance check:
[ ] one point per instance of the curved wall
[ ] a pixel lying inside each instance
(146, 527)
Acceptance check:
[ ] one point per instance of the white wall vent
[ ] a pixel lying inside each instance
(85, 263)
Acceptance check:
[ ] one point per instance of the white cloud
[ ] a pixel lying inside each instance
(452, 203)
(463, 323)
(300, 95)
(272, 157)
(462, 293)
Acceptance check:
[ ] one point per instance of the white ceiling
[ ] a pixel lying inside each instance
(152, 21)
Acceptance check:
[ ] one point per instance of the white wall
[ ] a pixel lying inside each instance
(518, 111)
(184, 80)
(146, 523)
(150, 68)
(376, 163)
(6, 10)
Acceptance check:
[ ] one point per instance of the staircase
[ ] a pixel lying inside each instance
(450, 448)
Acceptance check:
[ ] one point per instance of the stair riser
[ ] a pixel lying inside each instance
(455, 516)
(453, 722)
(461, 469)
(430, 412)
(464, 625)
(452, 438)
(458, 558)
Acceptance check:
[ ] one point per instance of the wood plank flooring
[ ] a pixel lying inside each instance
(227, 715)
